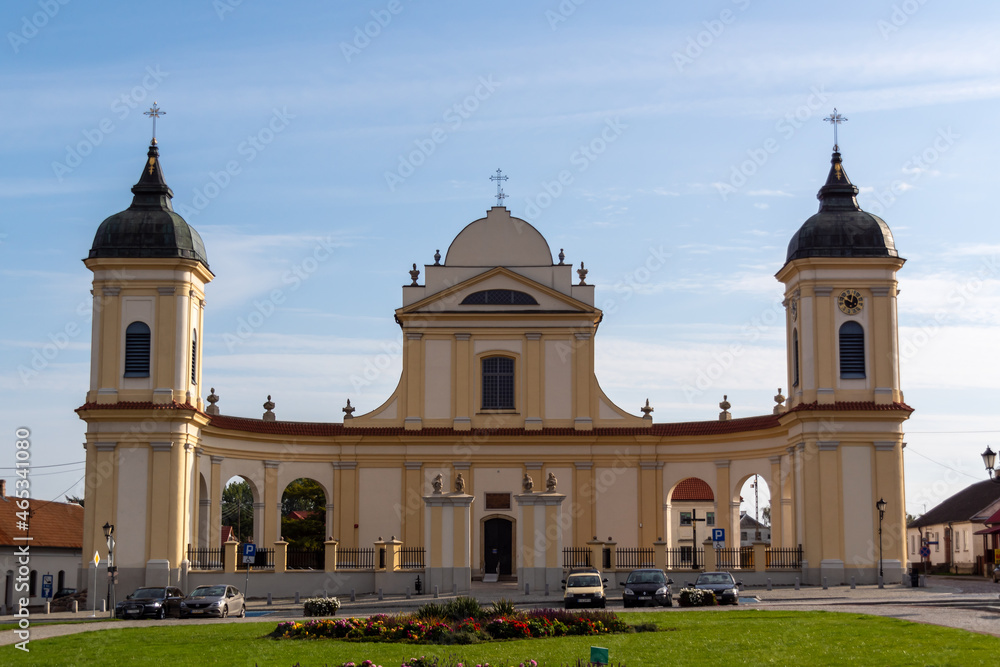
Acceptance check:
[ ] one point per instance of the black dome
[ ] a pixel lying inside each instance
(149, 228)
(841, 228)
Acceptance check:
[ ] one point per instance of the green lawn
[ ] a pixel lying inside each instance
(691, 637)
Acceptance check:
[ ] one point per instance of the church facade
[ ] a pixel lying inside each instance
(498, 452)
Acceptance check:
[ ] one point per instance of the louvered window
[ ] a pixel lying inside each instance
(498, 383)
(852, 350)
(137, 350)
(795, 358)
(194, 357)
(499, 297)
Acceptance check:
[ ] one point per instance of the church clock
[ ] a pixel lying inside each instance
(851, 301)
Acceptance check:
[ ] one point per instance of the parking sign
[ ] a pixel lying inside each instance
(47, 586)
(249, 551)
(718, 534)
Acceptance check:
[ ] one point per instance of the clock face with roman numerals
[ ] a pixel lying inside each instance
(851, 301)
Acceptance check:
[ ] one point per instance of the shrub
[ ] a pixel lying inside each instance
(462, 607)
(644, 627)
(431, 610)
(321, 606)
(508, 628)
(503, 607)
(696, 597)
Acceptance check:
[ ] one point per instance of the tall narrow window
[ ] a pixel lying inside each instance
(33, 583)
(194, 357)
(795, 357)
(852, 350)
(137, 350)
(498, 383)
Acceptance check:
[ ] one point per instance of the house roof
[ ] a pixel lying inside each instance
(228, 535)
(962, 506)
(50, 524)
(692, 489)
(747, 521)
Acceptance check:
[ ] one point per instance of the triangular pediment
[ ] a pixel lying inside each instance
(450, 300)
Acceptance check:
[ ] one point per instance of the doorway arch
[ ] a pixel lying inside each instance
(497, 543)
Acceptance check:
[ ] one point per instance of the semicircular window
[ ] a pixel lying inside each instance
(499, 297)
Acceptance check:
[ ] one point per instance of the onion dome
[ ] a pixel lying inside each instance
(841, 228)
(149, 228)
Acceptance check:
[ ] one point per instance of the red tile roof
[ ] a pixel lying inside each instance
(692, 489)
(863, 406)
(49, 524)
(137, 405)
(228, 534)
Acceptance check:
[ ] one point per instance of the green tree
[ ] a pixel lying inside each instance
(307, 530)
(237, 509)
(765, 515)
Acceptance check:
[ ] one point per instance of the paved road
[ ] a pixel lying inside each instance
(957, 602)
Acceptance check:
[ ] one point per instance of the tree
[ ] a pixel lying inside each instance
(237, 509)
(306, 529)
(74, 500)
(765, 515)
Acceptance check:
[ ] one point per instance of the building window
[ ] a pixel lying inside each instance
(685, 518)
(194, 357)
(709, 518)
(795, 357)
(852, 350)
(498, 383)
(499, 297)
(33, 583)
(137, 350)
(61, 581)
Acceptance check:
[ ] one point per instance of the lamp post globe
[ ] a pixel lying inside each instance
(989, 460)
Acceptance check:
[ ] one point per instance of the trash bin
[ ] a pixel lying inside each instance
(914, 578)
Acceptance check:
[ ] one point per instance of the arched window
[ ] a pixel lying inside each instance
(852, 350)
(33, 583)
(499, 297)
(194, 357)
(137, 350)
(795, 357)
(498, 383)
(61, 580)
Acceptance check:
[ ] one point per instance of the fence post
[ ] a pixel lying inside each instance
(596, 552)
(711, 562)
(280, 555)
(330, 555)
(660, 554)
(392, 554)
(759, 556)
(612, 549)
(229, 550)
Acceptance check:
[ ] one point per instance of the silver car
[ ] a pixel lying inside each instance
(218, 600)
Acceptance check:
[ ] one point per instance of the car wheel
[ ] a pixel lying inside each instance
(162, 614)
(604, 604)
(626, 604)
(670, 602)
(243, 611)
(225, 611)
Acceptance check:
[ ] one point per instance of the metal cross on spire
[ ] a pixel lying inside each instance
(499, 178)
(835, 119)
(154, 113)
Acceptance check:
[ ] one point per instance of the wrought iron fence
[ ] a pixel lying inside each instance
(356, 559)
(735, 558)
(632, 558)
(789, 557)
(305, 559)
(411, 558)
(576, 557)
(685, 558)
(263, 560)
(206, 558)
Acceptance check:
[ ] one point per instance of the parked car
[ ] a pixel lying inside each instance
(647, 587)
(151, 602)
(584, 587)
(63, 593)
(214, 600)
(726, 589)
(996, 574)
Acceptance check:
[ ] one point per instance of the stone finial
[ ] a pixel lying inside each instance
(437, 257)
(527, 484)
(459, 484)
(562, 257)
(414, 274)
(724, 416)
(582, 272)
(348, 410)
(647, 410)
(212, 399)
(268, 407)
(438, 483)
(780, 400)
(550, 483)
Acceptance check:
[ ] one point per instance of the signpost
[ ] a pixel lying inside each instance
(47, 586)
(719, 538)
(97, 562)
(925, 552)
(249, 551)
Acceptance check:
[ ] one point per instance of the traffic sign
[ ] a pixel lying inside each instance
(249, 551)
(718, 534)
(925, 552)
(46, 586)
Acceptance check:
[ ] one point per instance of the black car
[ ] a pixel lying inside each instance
(151, 602)
(647, 587)
(726, 589)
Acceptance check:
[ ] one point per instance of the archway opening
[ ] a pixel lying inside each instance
(691, 517)
(498, 546)
(238, 497)
(755, 511)
(303, 523)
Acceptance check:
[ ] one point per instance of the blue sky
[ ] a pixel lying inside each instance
(691, 131)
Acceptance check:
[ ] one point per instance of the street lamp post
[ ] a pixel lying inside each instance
(989, 458)
(109, 532)
(880, 505)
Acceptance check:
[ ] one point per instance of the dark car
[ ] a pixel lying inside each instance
(214, 600)
(726, 589)
(63, 593)
(647, 587)
(584, 587)
(996, 574)
(151, 602)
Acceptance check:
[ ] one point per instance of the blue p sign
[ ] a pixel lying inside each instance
(718, 534)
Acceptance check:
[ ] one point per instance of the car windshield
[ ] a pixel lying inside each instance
(148, 593)
(582, 581)
(715, 579)
(646, 578)
(209, 591)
